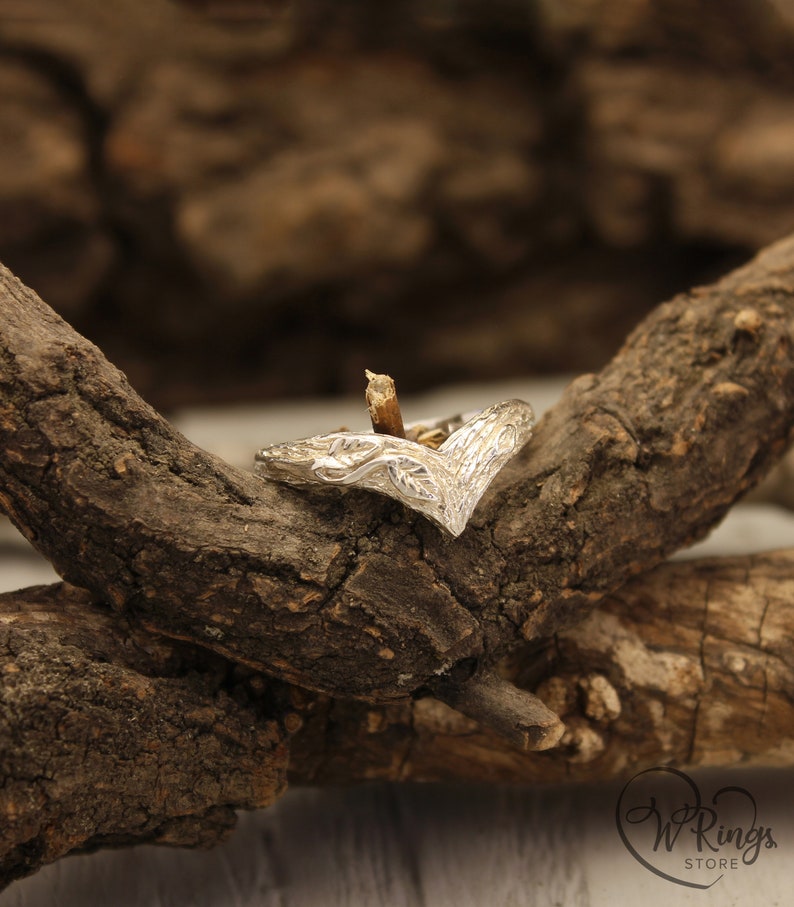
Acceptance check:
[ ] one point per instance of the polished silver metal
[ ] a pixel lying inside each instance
(444, 485)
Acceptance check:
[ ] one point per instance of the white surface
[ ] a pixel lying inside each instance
(413, 846)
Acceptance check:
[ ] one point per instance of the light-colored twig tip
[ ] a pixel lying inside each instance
(384, 408)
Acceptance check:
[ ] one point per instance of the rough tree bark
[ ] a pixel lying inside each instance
(312, 586)
(600, 155)
(111, 737)
(691, 664)
(114, 737)
(355, 597)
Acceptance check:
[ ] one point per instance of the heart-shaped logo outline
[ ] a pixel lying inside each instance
(444, 485)
(710, 837)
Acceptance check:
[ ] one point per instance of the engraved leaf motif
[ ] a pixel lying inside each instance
(444, 485)
(412, 478)
(344, 454)
(351, 451)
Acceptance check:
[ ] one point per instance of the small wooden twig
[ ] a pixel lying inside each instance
(384, 408)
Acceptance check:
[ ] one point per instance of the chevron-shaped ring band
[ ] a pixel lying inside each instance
(443, 484)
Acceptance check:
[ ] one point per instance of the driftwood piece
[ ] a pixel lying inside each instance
(349, 594)
(691, 664)
(352, 595)
(109, 736)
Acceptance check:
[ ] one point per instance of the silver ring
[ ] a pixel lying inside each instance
(443, 483)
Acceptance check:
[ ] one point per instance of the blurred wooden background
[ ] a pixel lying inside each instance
(244, 199)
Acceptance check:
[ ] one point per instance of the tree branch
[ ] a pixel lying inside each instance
(350, 594)
(314, 586)
(109, 736)
(691, 664)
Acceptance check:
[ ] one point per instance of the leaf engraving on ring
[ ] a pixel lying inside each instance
(444, 485)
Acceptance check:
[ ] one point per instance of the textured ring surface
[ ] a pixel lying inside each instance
(443, 484)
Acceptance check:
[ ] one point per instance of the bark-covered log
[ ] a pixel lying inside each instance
(351, 594)
(522, 179)
(111, 737)
(691, 664)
